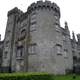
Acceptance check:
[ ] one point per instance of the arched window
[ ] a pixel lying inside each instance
(19, 52)
(23, 33)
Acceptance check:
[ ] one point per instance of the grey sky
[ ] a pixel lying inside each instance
(70, 12)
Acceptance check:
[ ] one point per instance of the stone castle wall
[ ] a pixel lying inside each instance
(35, 41)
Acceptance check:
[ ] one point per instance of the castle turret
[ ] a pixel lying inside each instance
(78, 37)
(9, 38)
(66, 25)
(66, 28)
(73, 37)
(44, 26)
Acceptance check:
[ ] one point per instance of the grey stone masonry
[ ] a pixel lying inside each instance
(35, 42)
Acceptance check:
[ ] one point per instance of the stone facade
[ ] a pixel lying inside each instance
(34, 41)
(1, 52)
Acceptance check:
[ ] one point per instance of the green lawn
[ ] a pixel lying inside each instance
(67, 77)
(37, 76)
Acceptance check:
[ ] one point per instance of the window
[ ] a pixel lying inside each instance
(19, 52)
(32, 48)
(33, 13)
(5, 54)
(65, 52)
(75, 58)
(59, 49)
(23, 33)
(48, 6)
(33, 28)
(7, 43)
(52, 7)
(33, 16)
(79, 53)
(33, 23)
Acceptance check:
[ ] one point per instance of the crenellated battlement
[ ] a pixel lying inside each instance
(38, 5)
(14, 11)
(46, 5)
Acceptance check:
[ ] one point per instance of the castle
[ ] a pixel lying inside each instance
(35, 42)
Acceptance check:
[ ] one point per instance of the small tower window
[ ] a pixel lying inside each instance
(33, 15)
(33, 26)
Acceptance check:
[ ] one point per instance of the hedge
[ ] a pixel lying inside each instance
(26, 76)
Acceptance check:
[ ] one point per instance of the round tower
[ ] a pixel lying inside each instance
(45, 50)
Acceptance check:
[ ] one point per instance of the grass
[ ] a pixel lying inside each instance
(37, 76)
(67, 77)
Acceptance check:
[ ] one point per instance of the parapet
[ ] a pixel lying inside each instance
(46, 5)
(14, 11)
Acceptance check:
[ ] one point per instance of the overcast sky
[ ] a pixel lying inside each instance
(70, 12)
